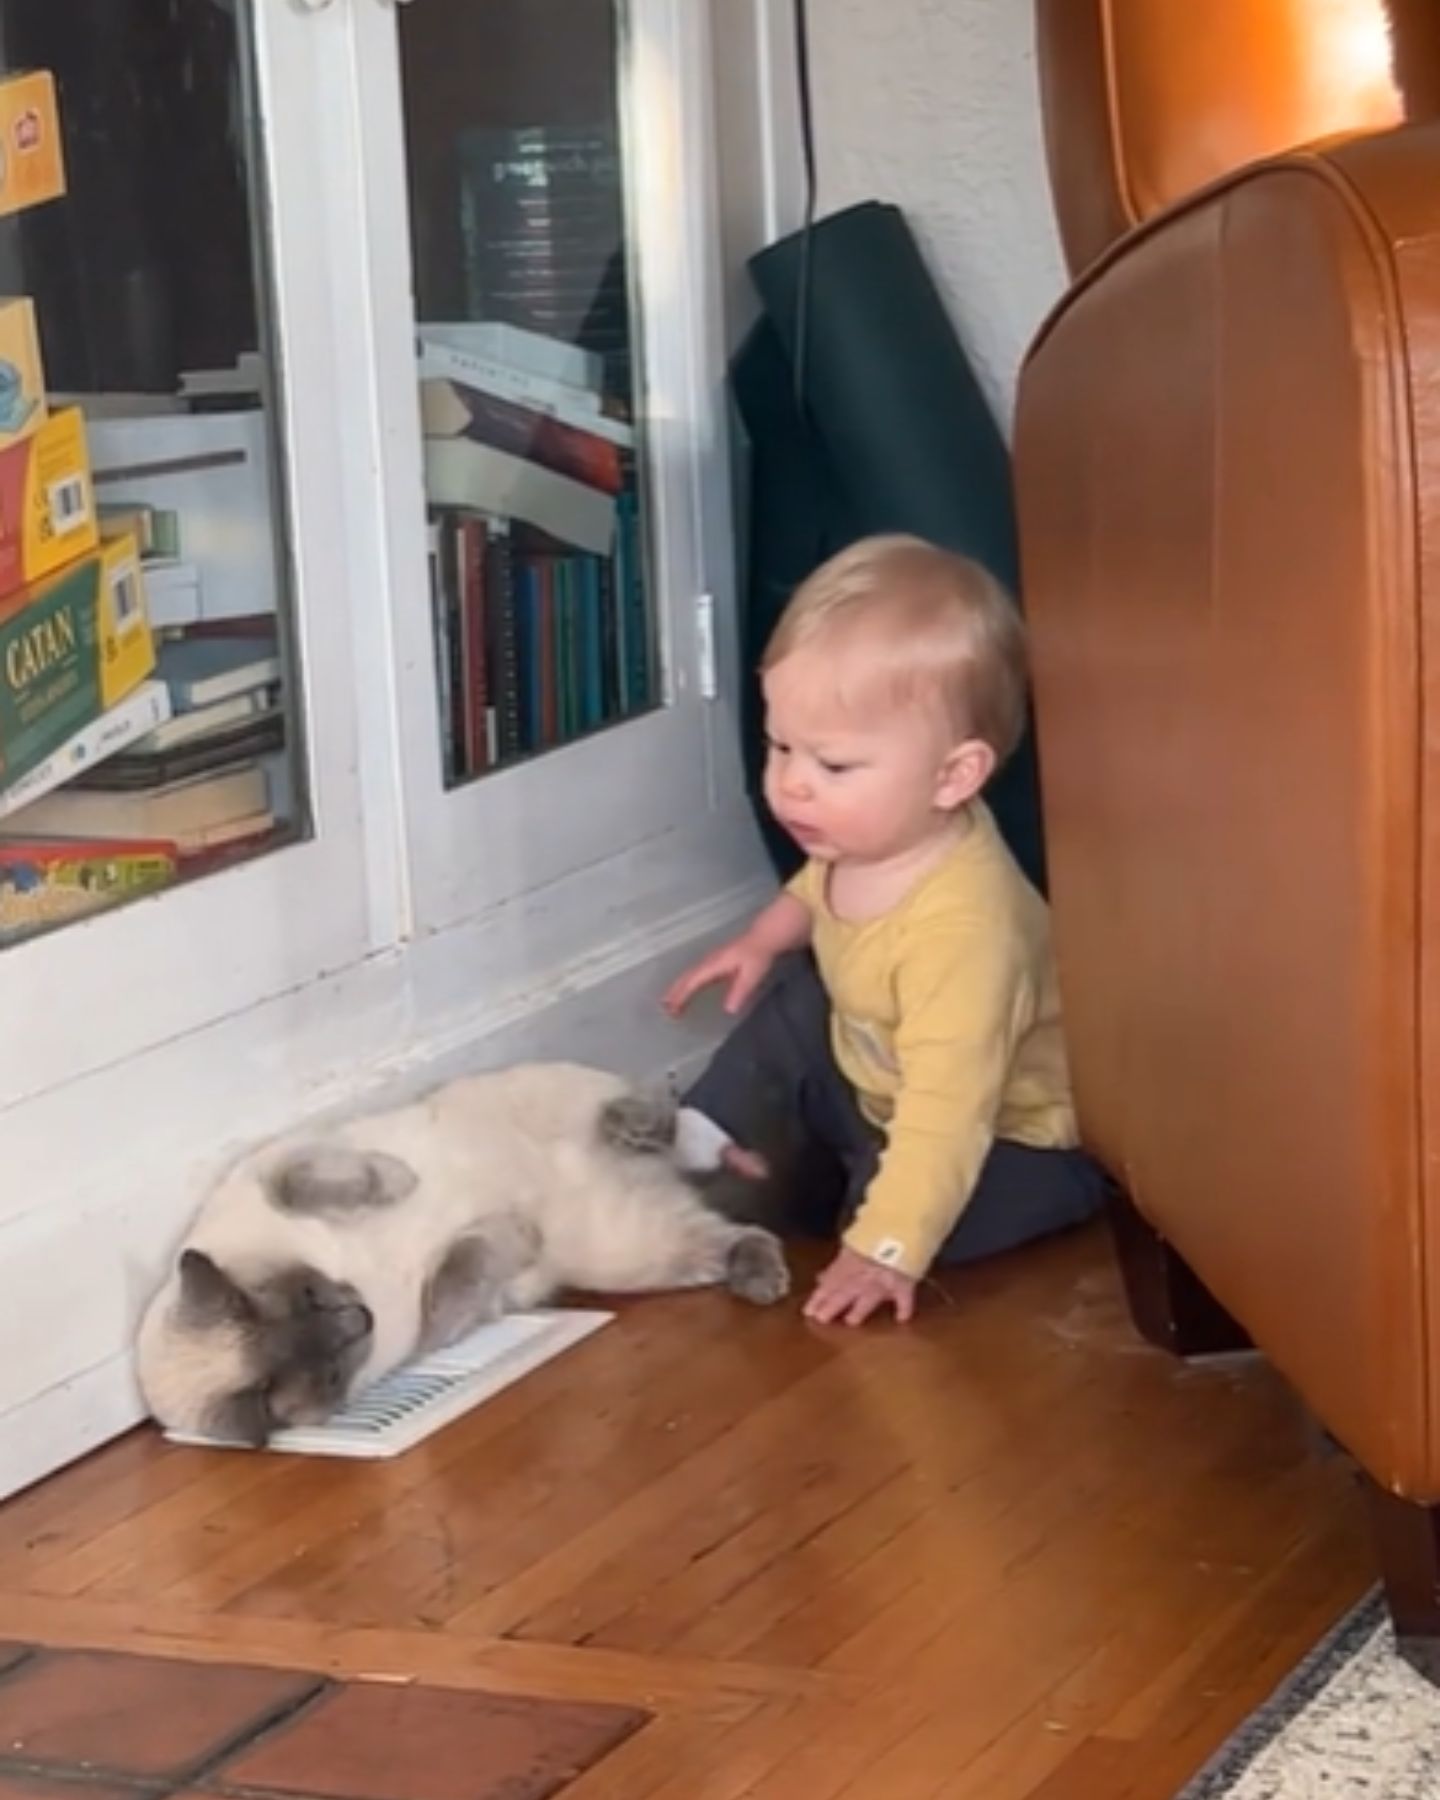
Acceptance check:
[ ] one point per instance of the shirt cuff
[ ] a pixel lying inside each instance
(909, 1255)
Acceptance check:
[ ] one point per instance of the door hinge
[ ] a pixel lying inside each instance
(707, 668)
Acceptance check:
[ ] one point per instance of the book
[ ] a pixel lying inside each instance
(525, 352)
(476, 711)
(47, 501)
(233, 843)
(199, 671)
(183, 811)
(132, 721)
(502, 648)
(23, 407)
(32, 170)
(543, 235)
(156, 529)
(50, 881)
(71, 647)
(226, 834)
(536, 643)
(572, 406)
(245, 379)
(518, 183)
(471, 602)
(633, 623)
(442, 635)
(174, 593)
(200, 722)
(534, 603)
(142, 767)
(475, 477)
(448, 410)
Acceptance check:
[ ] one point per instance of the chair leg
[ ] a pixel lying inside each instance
(1171, 1306)
(1407, 1539)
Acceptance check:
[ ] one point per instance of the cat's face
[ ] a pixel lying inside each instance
(282, 1351)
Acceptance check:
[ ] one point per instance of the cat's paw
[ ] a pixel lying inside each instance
(756, 1270)
(638, 1124)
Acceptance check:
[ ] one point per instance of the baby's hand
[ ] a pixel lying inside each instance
(853, 1287)
(741, 964)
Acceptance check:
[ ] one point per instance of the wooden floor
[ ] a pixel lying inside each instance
(1006, 1554)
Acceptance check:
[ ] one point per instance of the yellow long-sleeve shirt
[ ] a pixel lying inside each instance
(945, 1018)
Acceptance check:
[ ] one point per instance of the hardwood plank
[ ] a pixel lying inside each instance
(49, 1520)
(668, 1750)
(728, 1690)
(464, 1550)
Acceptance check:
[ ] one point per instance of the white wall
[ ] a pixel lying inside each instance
(931, 104)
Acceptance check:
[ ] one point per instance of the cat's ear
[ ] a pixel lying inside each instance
(207, 1294)
(242, 1418)
(332, 1178)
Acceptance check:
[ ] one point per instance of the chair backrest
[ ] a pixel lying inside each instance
(1228, 470)
(1147, 100)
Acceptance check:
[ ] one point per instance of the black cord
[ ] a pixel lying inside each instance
(807, 146)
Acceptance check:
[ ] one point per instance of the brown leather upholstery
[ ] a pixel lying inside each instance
(1148, 100)
(1228, 457)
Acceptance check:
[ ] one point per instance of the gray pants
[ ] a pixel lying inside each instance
(774, 1085)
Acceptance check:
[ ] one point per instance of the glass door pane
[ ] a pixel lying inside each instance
(185, 279)
(149, 732)
(553, 462)
(531, 393)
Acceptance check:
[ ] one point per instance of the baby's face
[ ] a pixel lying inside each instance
(851, 781)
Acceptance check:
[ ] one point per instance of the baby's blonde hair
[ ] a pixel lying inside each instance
(932, 625)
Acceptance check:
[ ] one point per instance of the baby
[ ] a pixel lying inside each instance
(907, 1010)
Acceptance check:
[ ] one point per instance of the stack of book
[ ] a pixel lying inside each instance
(123, 756)
(541, 626)
(197, 779)
(542, 229)
(150, 790)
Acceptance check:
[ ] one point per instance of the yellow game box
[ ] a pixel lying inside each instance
(32, 155)
(49, 881)
(48, 515)
(22, 377)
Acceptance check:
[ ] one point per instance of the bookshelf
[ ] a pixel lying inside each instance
(561, 300)
(421, 711)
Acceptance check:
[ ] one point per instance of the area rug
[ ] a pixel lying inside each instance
(1354, 1722)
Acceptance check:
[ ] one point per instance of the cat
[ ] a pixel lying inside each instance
(325, 1259)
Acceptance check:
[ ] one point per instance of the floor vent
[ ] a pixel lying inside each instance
(408, 1406)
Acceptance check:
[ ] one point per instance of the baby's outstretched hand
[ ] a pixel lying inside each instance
(740, 964)
(853, 1287)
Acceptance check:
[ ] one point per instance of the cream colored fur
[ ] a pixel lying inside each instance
(515, 1156)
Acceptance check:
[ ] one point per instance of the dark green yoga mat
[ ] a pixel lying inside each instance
(895, 436)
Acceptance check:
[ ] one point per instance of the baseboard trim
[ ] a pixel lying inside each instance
(65, 1423)
(648, 1046)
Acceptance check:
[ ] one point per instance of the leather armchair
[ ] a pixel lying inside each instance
(1228, 466)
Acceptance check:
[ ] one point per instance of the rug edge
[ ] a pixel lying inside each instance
(1304, 1684)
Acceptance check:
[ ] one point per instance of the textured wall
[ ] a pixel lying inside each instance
(933, 104)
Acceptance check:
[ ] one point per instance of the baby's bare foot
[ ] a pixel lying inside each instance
(749, 1163)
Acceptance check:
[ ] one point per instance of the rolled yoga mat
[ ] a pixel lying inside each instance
(895, 435)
